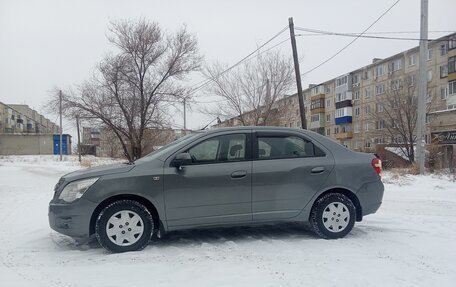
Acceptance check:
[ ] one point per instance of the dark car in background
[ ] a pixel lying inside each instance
(221, 177)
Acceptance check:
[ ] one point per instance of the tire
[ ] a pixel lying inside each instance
(124, 225)
(333, 216)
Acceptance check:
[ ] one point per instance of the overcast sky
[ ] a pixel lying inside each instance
(56, 43)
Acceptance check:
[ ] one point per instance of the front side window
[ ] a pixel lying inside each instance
(276, 147)
(224, 148)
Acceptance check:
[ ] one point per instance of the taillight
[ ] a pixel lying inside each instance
(377, 164)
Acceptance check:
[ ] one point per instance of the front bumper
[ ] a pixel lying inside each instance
(72, 219)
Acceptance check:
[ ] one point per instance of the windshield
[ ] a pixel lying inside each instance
(163, 150)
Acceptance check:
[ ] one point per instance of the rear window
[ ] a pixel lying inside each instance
(275, 147)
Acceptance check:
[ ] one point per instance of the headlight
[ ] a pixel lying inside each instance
(76, 189)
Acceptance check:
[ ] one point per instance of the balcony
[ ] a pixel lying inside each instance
(317, 121)
(317, 105)
(347, 135)
(343, 120)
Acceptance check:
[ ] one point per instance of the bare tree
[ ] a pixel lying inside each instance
(250, 91)
(129, 89)
(395, 115)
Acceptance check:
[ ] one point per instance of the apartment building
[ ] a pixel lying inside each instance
(23, 119)
(343, 108)
(23, 131)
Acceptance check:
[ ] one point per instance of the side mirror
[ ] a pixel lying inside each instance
(182, 159)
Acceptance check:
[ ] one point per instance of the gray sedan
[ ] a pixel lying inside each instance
(222, 177)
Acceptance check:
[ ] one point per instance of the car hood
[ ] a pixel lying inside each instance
(97, 171)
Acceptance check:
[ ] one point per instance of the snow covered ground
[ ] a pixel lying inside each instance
(411, 241)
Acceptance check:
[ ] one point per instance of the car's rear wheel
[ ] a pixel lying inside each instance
(333, 216)
(124, 225)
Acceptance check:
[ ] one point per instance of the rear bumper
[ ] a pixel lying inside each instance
(72, 219)
(370, 197)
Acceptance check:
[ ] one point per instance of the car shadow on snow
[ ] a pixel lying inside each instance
(282, 231)
(220, 235)
(279, 231)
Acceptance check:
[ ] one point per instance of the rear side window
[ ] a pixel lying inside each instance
(219, 149)
(275, 147)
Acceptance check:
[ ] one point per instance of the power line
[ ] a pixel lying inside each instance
(369, 33)
(202, 84)
(224, 100)
(329, 33)
(351, 42)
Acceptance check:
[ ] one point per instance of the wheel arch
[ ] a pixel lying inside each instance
(144, 201)
(350, 194)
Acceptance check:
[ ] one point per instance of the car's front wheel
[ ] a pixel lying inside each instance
(124, 225)
(333, 216)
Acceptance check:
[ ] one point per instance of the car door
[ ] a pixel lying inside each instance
(288, 170)
(216, 187)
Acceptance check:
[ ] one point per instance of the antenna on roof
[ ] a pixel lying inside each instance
(218, 121)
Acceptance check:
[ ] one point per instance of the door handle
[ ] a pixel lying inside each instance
(239, 174)
(318, 169)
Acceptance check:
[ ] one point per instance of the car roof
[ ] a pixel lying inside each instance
(262, 128)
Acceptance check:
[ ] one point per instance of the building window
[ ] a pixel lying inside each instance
(443, 49)
(328, 132)
(411, 80)
(318, 90)
(328, 117)
(452, 88)
(444, 93)
(366, 125)
(452, 43)
(379, 107)
(380, 89)
(396, 84)
(355, 79)
(429, 54)
(443, 71)
(343, 96)
(367, 109)
(341, 81)
(336, 130)
(320, 103)
(339, 113)
(357, 110)
(451, 65)
(379, 71)
(412, 60)
(356, 96)
(315, 118)
(367, 93)
(356, 127)
(380, 124)
(429, 75)
(396, 65)
(328, 103)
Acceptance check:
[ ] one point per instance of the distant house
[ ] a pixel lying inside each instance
(23, 131)
(102, 142)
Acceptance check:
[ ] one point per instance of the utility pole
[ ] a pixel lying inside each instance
(79, 138)
(185, 114)
(422, 91)
(302, 110)
(60, 112)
